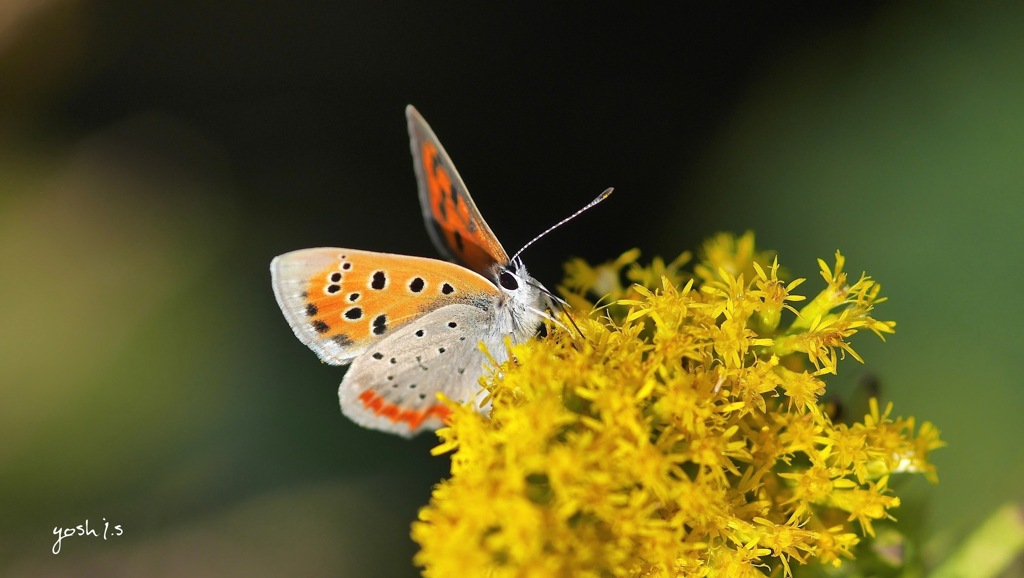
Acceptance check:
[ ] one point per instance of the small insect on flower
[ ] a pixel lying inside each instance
(411, 327)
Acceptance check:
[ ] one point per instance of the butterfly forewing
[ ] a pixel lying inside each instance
(393, 386)
(453, 221)
(339, 302)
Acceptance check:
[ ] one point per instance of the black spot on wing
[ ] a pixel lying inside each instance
(335, 277)
(321, 327)
(459, 246)
(380, 324)
(311, 310)
(354, 313)
(380, 280)
(341, 340)
(416, 285)
(447, 289)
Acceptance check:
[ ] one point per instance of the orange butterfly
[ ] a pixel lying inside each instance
(411, 327)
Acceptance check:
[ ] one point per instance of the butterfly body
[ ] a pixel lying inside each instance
(412, 327)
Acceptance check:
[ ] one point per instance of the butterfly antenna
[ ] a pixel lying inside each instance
(604, 195)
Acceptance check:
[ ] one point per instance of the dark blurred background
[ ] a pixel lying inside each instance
(154, 156)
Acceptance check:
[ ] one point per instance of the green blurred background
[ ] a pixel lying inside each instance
(155, 156)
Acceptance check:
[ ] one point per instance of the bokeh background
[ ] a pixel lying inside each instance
(154, 156)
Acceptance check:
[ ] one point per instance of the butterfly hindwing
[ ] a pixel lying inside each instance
(393, 386)
(453, 221)
(341, 301)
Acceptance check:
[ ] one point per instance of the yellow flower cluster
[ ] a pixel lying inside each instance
(679, 432)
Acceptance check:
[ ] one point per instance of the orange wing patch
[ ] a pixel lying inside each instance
(454, 222)
(362, 296)
(455, 218)
(413, 417)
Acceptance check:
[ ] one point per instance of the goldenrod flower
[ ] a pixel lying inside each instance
(682, 434)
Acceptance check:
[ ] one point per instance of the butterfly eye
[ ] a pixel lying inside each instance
(508, 281)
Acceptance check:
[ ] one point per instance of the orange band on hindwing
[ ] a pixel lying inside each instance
(413, 417)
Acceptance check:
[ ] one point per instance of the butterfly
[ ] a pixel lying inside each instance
(412, 327)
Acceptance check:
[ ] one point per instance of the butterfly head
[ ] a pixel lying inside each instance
(511, 277)
(523, 300)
